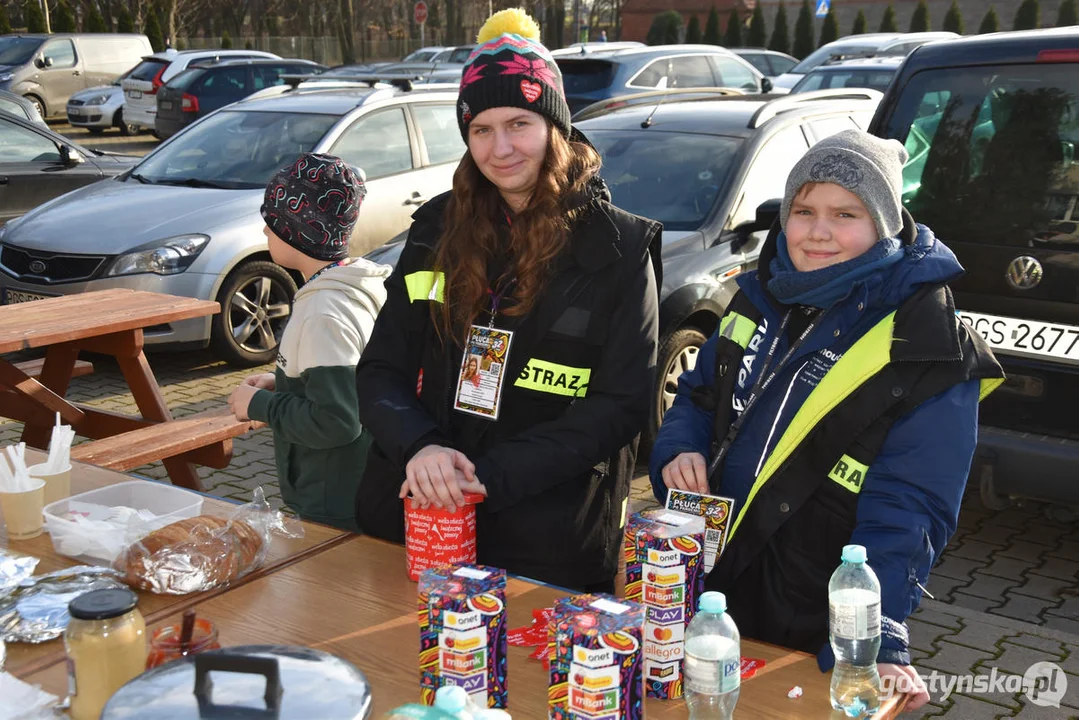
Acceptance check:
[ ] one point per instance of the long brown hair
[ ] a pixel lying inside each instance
(538, 234)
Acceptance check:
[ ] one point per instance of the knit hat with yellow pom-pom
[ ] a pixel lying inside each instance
(511, 68)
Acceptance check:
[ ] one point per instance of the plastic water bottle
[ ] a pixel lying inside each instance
(854, 631)
(713, 661)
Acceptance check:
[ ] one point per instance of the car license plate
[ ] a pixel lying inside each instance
(166, 105)
(75, 113)
(133, 94)
(1029, 338)
(11, 297)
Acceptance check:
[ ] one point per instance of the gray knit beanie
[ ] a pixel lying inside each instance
(865, 165)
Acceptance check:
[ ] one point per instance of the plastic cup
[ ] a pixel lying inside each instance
(57, 485)
(22, 511)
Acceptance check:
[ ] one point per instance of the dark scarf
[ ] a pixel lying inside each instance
(825, 287)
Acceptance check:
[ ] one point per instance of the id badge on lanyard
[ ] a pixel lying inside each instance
(483, 371)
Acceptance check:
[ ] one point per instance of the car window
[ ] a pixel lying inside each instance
(147, 70)
(15, 50)
(652, 74)
(460, 55)
(993, 153)
(676, 178)
(812, 81)
(62, 52)
(582, 76)
(768, 173)
(781, 64)
(269, 75)
(691, 71)
(758, 61)
(184, 80)
(14, 108)
(822, 54)
(378, 143)
(441, 135)
(442, 57)
(225, 82)
(17, 144)
(734, 74)
(824, 127)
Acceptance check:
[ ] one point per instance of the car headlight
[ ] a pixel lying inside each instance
(162, 257)
(98, 100)
(5, 77)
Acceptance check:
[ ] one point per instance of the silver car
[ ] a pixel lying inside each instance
(186, 220)
(99, 108)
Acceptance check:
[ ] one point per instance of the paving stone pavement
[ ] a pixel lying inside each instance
(1006, 592)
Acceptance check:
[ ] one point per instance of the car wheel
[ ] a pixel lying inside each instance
(677, 354)
(37, 104)
(125, 129)
(256, 302)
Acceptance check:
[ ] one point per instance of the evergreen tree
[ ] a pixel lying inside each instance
(990, 23)
(95, 23)
(1066, 15)
(733, 38)
(248, 45)
(125, 23)
(711, 28)
(919, 21)
(666, 28)
(693, 31)
(1028, 16)
(758, 32)
(829, 29)
(953, 21)
(33, 17)
(860, 24)
(888, 22)
(5, 21)
(63, 19)
(781, 37)
(153, 31)
(226, 40)
(803, 32)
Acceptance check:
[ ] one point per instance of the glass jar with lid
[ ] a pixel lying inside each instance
(106, 646)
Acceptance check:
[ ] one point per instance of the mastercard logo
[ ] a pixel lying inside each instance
(684, 545)
(486, 604)
(620, 642)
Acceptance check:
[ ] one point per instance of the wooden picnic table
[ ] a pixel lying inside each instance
(110, 322)
(24, 658)
(355, 601)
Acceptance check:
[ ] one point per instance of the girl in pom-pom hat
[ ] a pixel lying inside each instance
(525, 262)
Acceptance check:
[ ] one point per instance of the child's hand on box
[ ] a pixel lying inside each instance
(687, 472)
(262, 381)
(440, 476)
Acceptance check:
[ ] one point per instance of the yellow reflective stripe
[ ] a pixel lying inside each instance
(425, 285)
(849, 473)
(864, 360)
(625, 506)
(738, 328)
(550, 377)
(988, 386)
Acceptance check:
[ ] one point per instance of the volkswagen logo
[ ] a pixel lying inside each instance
(38, 266)
(1024, 273)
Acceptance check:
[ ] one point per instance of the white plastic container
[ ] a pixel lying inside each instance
(97, 545)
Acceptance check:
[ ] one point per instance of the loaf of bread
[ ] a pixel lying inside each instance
(191, 555)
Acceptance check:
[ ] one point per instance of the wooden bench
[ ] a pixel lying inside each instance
(204, 439)
(33, 368)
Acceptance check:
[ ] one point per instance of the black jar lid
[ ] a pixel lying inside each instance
(103, 604)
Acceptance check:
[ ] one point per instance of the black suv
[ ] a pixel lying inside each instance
(992, 124)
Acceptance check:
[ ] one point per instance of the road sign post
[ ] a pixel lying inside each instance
(419, 14)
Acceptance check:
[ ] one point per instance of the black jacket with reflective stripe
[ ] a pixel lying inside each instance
(556, 466)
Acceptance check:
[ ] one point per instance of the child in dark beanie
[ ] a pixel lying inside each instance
(310, 209)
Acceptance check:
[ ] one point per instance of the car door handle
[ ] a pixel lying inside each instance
(76, 73)
(416, 199)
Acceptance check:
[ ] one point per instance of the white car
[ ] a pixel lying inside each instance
(99, 108)
(142, 83)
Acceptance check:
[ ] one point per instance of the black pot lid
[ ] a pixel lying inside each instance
(245, 683)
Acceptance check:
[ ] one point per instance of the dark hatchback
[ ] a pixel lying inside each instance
(198, 91)
(992, 126)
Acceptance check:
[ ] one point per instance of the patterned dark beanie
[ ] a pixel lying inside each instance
(313, 205)
(510, 68)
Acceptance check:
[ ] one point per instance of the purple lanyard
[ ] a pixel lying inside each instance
(496, 298)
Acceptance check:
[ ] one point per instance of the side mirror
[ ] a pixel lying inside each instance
(39, 62)
(766, 85)
(48, 61)
(70, 156)
(767, 214)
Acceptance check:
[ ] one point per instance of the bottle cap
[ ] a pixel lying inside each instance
(451, 698)
(713, 602)
(103, 604)
(854, 554)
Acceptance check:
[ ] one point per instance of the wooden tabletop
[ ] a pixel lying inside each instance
(355, 601)
(76, 317)
(23, 658)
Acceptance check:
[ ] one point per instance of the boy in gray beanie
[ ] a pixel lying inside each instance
(836, 405)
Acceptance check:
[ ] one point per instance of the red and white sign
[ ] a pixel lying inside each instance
(419, 13)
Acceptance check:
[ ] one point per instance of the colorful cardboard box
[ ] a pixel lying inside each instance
(664, 554)
(462, 612)
(594, 647)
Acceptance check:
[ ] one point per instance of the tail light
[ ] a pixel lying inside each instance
(156, 82)
(189, 103)
(1061, 55)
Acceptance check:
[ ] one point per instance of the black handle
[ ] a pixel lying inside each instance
(3, 181)
(205, 663)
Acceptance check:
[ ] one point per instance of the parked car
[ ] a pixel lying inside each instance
(99, 108)
(991, 124)
(597, 48)
(770, 63)
(48, 69)
(590, 79)
(150, 75)
(37, 164)
(875, 73)
(424, 54)
(186, 220)
(20, 107)
(712, 171)
(867, 45)
(199, 91)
